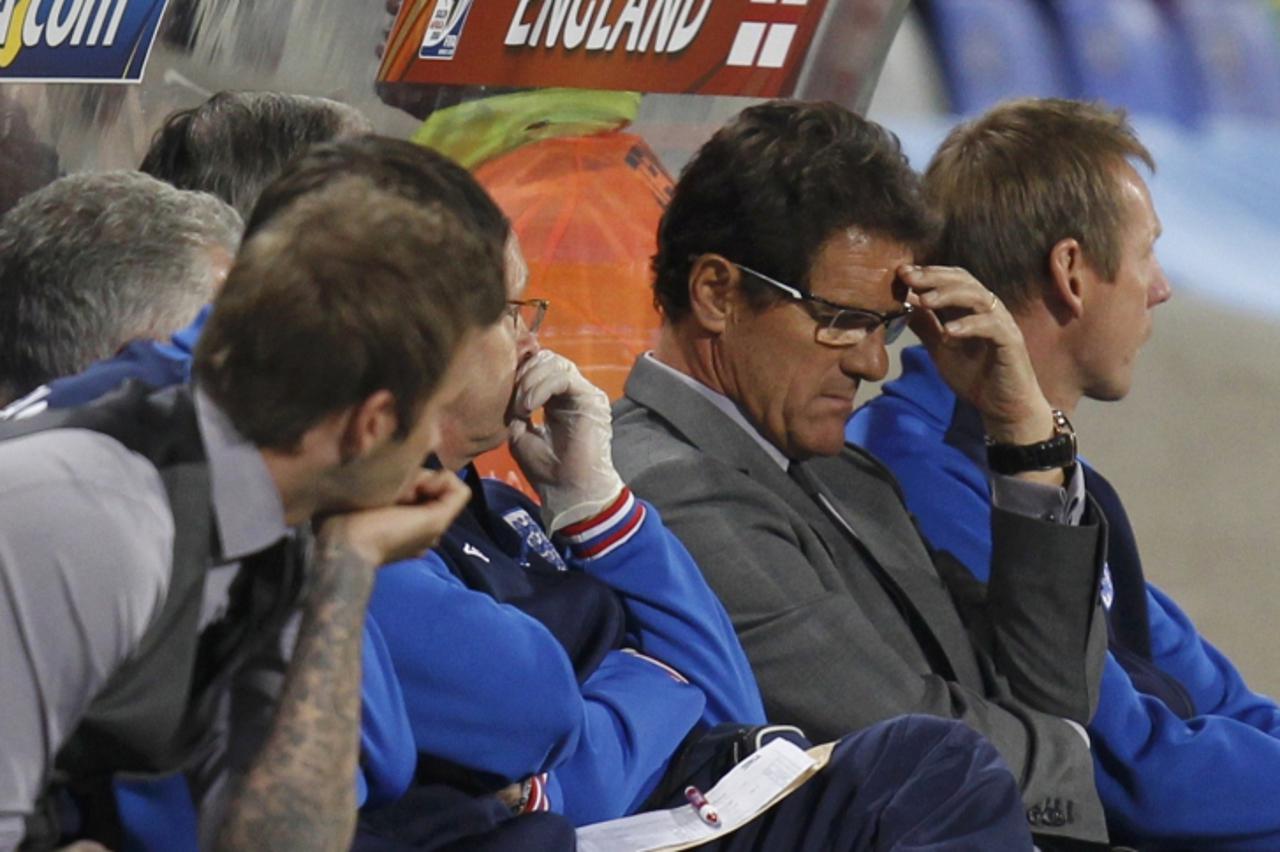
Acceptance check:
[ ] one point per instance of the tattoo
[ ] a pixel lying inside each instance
(300, 791)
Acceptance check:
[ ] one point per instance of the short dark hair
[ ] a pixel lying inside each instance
(1011, 183)
(413, 172)
(774, 184)
(348, 291)
(235, 143)
(95, 260)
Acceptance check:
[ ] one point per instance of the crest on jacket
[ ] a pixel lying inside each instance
(534, 539)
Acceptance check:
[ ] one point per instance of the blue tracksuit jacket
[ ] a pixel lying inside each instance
(514, 653)
(1186, 756)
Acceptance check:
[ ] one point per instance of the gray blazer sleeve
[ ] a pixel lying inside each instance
(823, 664)
(1042, 602)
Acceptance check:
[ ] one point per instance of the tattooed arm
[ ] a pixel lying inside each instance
(299, 792)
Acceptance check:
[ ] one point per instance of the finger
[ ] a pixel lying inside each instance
(428, 485)
(991, 327)
(925, 278)
(535, 362)
(526, 437)
(927, 327)
(549, 378)
(516, 430)
(393, 6)
(526, 374)
(961, 293)
(427, 521)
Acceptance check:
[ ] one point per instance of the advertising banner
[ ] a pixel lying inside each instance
(77, 41)
(711, 47)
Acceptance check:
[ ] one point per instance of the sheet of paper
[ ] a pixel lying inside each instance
(745, 792)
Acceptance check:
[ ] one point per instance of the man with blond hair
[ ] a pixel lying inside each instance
(1044, 200)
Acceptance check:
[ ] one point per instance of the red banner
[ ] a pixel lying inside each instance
(715, 47)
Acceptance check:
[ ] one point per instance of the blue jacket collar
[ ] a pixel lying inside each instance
(922, 386)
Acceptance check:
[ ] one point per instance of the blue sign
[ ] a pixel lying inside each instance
(77, 41)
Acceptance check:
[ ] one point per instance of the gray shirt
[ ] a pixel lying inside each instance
(86, 538)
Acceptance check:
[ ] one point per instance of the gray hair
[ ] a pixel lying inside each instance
(93, 261)
(236, 143)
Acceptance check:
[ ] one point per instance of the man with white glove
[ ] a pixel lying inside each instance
(575, 663)
(568, 459)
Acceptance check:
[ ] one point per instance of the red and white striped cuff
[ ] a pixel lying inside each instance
(606, 532)
(537, 799)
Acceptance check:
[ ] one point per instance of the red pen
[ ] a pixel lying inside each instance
(706, 811)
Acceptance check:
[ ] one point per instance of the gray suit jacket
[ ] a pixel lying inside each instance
(844, 612)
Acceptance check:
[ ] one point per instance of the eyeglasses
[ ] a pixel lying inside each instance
(527, 312)
(841, 325)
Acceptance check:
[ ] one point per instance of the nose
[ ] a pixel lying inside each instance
(868, 359)
(1160, 290)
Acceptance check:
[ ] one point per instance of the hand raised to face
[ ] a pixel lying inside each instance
(569, 457)
(415, 523)
(979, 351)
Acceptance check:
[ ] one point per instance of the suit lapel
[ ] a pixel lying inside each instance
(856, 513)
(867, 501)
(706, 427)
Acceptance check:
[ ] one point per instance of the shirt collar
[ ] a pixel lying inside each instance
(246, 504)
(729, 408)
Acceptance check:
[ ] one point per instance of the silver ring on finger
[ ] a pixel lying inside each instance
(995, 300)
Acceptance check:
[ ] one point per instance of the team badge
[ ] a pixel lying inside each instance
(444, 28)
(534, 538)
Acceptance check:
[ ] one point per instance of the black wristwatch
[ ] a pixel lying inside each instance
(1058, 451)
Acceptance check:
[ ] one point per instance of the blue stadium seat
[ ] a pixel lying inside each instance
(1238, 52)
(1128, 53)
(991, 50)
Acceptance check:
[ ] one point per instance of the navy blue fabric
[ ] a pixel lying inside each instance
(1128, 625)
(481, 548)
(438, 818)
(1209, 782)
(906, 784)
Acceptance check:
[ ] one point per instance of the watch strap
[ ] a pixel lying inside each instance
(1058, 451)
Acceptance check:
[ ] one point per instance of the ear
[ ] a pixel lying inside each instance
(1069, 278)
(712, 282)
(369, 425)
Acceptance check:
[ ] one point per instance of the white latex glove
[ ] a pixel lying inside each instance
(568, 459)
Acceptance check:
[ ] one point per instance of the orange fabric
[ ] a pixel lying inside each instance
(586, 210)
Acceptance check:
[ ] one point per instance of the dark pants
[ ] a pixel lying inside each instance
(436, 818)
(911, 783)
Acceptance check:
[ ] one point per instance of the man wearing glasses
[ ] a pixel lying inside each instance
(570, 657)
(788, 246)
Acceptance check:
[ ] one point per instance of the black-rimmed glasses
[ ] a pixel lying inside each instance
(841, 325)
(528, 312)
